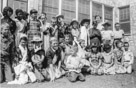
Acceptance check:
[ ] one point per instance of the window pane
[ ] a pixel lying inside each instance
(84, 9)
(69, 9)
(125, 19)
(51, 8)
(97, 9)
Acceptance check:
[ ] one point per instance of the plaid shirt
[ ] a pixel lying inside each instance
(34, 29)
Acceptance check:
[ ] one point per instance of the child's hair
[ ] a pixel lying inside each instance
(23, 38)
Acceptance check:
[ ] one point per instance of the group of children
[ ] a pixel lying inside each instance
(59, 49)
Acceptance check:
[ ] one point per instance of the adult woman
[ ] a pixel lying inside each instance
(99, 23)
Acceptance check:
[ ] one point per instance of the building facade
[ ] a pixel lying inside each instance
(122, 11)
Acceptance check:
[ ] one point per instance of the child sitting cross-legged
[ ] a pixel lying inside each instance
(74, 66)
(128, 58)
(95, 60)
(108, 60)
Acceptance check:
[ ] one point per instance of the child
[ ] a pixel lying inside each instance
(95, 60)
(23, 68)
(128, 58)
(54, 57)
(6, 53)
(74, 66)
(108, 62)
(118, 57)
(37, 56)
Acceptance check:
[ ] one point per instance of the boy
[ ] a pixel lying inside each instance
(37, 56)
(95, 60)
(6, 53)
(128, 58)
(54, 57)
(74, 65)
(108, 60)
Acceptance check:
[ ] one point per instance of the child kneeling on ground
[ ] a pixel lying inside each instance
(74, 66)
(128, 58)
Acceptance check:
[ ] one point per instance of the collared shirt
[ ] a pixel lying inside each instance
(118, 34)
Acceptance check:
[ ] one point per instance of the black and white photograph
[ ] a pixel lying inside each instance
(67, 43)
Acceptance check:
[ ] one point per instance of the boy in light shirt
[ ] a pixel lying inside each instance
(74, 66)
(118, 33)
(128, 58)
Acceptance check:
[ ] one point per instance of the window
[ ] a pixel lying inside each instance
(108, 14)
(69, 9)
(50, 7)
(1, 3)
(84, 9)
(96, 9)
(124, 19)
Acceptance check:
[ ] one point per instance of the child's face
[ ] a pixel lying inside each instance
(98, 19)
(34, 15)
(120, 45)
(5, 29)
(67, 39)
(74, 50)
(60, 19)
(75, 25)
(82, 44)
(53, 21)
(55, 45)
(37, 45)
(23, 43)
(126, 47)
(20, 15)
(43, 18)
(86, 24)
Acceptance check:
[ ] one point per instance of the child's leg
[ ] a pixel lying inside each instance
(72, 76)
(38, 75)
(129, 69)
(8, 71)
(81, 77)
(31, 76)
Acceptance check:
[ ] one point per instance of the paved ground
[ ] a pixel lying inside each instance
(110, 81)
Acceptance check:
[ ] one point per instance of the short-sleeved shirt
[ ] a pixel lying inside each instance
(118, 34)
(107, 34)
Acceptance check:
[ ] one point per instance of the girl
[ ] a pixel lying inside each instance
(84, 30)
(95, 60)
(23, 68)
